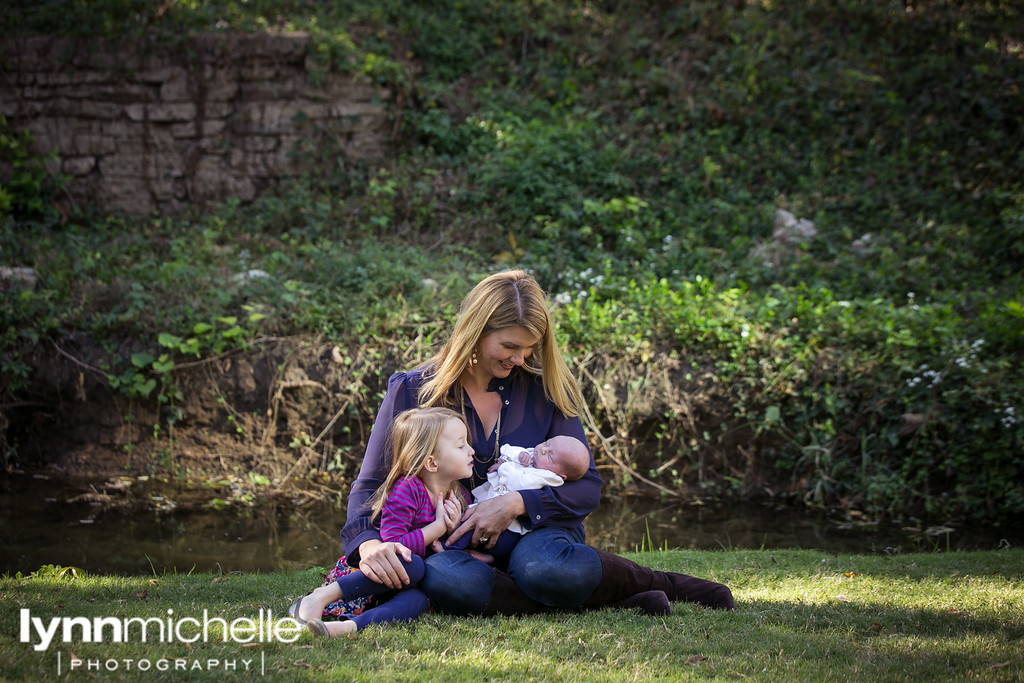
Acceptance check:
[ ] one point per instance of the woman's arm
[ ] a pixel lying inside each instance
(359, 529)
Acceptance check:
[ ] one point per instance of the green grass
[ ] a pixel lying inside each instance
(801, 615)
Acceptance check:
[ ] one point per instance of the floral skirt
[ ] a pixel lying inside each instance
(343, 608)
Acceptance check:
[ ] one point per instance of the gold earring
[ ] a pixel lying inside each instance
(474, 357)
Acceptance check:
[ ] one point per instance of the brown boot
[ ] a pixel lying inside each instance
(651, 603)
(622, 579)
(509, 599)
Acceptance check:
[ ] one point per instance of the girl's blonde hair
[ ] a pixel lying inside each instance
(414, 437)
(508, 299)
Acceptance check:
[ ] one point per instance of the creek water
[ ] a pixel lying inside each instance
(49, 520)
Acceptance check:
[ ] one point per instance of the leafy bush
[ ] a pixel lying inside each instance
(633, 157)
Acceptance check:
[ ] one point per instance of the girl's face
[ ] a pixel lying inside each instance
(454, 454)
(502, 350)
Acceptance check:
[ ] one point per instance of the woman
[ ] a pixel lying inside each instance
(502, 369)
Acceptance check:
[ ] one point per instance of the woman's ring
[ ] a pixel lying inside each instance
(484, 540)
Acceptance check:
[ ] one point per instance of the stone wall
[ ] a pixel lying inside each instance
(144, 127)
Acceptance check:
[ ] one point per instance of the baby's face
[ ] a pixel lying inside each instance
(555, 454)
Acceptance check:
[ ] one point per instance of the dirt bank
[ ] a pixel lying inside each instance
(281, 407)
(286, 409)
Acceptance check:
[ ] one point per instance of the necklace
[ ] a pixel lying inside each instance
(497, 428)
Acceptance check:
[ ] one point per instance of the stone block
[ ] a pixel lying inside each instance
(118, 185)
(258, 143)
(19, 79)
(217, 145)
(221, 85)
(16, 109)
(160, 141)
(136, 202)
(88, 142)
(339, 87)
(78, 166)
(261, 72)
(159, 74)
(66, 107)
(268, 90)
(35, 54)
(72, 137)
(174, 87)
(215, 85)
(111, 93)
(214, 180)
(251, 47)
(116, 57)
(191, 129)
(122, 165)
(63, 79)
(120, 131)
(161, 112)
(217, 110)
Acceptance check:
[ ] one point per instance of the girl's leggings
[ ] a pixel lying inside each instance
(402, 605)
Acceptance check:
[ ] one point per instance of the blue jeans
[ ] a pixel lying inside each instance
(552, 566)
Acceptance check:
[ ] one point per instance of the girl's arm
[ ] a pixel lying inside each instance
(403, 511)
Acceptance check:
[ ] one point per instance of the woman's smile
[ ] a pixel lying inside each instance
(502, 350)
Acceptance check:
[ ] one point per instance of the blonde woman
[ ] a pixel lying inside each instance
(501, 368)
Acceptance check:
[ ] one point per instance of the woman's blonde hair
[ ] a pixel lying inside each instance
(414, 437)
(508, 299)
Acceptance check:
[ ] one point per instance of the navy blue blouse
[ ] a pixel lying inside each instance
(527, 418)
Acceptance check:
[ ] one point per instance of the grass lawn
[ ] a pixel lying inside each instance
(801, 615)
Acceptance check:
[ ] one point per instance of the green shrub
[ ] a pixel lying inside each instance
(632, 156)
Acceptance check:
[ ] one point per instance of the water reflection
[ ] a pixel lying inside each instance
(52, 522)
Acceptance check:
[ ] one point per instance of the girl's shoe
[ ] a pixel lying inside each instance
(318, 628)
(293, 611)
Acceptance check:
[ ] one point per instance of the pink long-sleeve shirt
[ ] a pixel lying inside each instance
(407, 509)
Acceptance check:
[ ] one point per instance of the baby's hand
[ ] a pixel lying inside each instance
(524, 458)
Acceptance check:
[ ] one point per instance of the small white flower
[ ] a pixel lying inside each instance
(563, 298)
(1009, 417)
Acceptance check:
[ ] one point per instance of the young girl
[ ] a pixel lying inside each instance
(420, 501)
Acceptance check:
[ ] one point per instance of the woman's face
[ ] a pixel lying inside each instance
(502, 350)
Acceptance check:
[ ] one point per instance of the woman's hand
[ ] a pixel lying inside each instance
(487, 519)
(383, 562)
